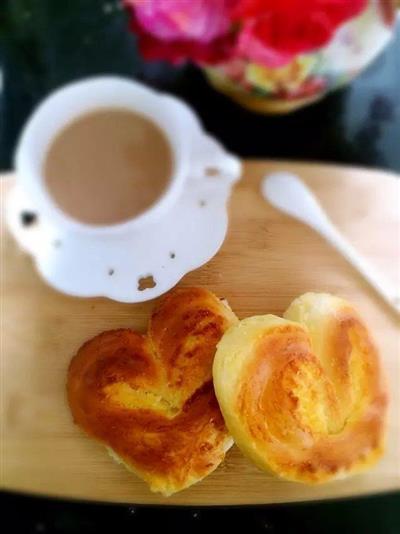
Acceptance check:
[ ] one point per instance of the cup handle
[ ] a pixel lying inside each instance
(210, 160)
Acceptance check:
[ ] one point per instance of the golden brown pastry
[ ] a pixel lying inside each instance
(303, 396)
(150, 399)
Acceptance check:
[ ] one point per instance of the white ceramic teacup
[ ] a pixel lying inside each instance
(65, 105)
(182, 230)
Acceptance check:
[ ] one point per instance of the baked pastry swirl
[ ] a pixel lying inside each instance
(303, 396)
(149, 398)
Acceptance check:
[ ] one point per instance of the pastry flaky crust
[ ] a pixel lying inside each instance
(303, 396)
(150, 399)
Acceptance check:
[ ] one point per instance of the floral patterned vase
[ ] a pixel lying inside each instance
(309, 77)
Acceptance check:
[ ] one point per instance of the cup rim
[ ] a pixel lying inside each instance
(32, 181)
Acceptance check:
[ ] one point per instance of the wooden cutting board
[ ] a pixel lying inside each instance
(266, 261)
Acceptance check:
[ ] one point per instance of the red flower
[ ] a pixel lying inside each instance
(180, 50)
(275, 31)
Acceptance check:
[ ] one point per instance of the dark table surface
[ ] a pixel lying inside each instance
(45, 44)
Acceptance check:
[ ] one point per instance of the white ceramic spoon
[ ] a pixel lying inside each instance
(289, 194)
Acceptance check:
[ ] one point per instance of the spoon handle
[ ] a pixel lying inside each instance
(335, 238)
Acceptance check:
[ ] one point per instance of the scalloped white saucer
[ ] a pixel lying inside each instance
(181, 232)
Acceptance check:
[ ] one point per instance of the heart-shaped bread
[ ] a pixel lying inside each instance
(150, 398)
(304, 396)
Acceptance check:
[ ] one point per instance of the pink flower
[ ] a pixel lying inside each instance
(177, 51)
(183, 20)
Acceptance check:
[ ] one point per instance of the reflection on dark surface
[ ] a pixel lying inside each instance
(369, 515)
(381, 110)
(47, 44)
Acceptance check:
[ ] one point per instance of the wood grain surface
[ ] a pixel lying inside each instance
(266, 261)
